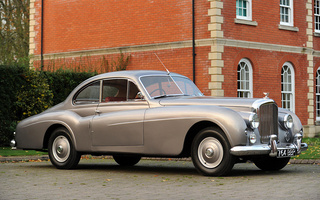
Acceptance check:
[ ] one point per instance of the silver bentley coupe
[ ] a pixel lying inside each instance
(134, 114)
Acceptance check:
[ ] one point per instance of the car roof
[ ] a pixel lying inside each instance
(131, 74)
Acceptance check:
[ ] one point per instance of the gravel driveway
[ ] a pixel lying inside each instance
(152, 179)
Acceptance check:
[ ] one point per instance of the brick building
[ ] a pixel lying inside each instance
(228, 47)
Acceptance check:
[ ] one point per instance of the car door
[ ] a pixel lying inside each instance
(119, 117)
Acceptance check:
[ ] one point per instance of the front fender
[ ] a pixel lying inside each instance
(231, 123)
(166, 127)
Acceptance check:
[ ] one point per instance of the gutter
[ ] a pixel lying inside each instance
(41, 50)
(193, 43)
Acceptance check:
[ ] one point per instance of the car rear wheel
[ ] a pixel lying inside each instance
(127, 160)
(267, 163)
(61, 150)
(210, 153)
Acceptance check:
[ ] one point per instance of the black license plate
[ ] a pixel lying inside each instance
(286, 153)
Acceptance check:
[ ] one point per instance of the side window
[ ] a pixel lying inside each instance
(286, 12)
(114, 90)
(287, 86)
(318, 95)
(243, 9)
(317, 16)
(244, 79)
(133, 91)
(88, 94)
(119, 90)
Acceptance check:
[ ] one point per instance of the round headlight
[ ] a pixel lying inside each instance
(254, 120)
(288, 121)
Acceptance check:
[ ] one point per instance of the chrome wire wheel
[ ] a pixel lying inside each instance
(61, 149)
(210, 152)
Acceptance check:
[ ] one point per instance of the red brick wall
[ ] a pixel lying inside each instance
(267, 15)
(316, 43)
(79, 25)
(316, 62)
(266, 66)
(176, 60)
(86, 24)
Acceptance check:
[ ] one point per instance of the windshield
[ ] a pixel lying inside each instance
(159, 86)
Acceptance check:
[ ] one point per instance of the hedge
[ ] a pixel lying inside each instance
(11, 80)
(25, 92)
(62, 82)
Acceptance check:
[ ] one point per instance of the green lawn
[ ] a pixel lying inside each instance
(7, 151)
(313, 151)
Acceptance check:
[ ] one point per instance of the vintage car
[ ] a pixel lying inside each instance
(134, 114)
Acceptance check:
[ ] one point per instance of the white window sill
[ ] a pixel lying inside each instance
(288, 28)
(245, 22)
(316, 34)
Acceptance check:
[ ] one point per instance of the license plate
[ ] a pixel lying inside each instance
(286, 153)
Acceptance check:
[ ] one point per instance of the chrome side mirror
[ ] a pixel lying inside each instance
(140, 95)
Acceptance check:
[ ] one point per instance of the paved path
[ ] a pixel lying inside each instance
(151, 179)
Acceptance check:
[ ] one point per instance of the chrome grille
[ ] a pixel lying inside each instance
(268, 115)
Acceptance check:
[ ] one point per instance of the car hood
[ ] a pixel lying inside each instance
(238, 104)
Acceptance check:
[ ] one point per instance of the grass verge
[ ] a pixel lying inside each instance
(313, 151)
(7, 151)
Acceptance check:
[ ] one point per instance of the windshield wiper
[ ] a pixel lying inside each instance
(169, 95)
(161, 96)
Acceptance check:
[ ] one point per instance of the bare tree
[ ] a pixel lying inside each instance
(14, 31)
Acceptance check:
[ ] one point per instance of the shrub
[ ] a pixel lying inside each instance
(11, 80)
(34, 96)
(62, 82)
(25, 92)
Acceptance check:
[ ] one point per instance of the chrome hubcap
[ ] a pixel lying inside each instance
(210, 152)
(61, 149)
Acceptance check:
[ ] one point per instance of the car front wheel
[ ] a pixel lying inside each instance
(61, 150)
(210, 153)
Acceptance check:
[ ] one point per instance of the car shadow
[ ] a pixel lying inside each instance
(171, 168)
(245, 169)
(140, 169)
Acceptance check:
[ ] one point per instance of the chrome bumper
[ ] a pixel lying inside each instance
(270, 149)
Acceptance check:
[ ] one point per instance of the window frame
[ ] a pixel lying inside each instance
(249, 10)
(125, 96)
(290, 13)
(318, 95)
(77, 101)
(248, 79)
(317, 16)
(288, 93)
